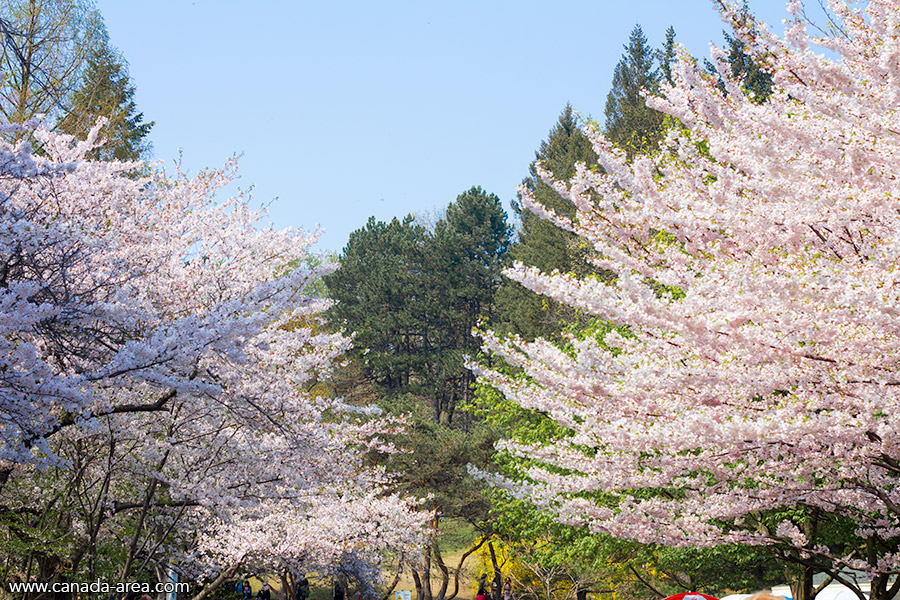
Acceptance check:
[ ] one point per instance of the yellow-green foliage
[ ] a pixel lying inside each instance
(480, 563)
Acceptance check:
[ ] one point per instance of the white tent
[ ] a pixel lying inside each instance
(833, 591)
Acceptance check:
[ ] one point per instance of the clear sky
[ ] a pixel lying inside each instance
(343, 110)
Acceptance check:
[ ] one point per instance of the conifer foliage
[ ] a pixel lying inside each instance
(44, 45)
(541, 243)
(106, 92)
(413, 297)
(630, 124)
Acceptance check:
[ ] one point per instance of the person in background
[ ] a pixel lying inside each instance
(507, 589)
(246, 589)
(263, 593)
(482, 593)
(303, 589)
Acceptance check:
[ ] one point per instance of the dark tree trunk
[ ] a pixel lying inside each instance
(417, 580)
(496, 586)
(445, 572)
(426, 578)
(802, 587)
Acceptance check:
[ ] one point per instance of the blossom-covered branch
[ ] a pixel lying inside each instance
(754, 363)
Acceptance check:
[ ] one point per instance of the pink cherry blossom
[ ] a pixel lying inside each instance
(770, 378)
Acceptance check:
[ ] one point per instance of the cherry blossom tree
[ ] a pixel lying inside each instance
(344, 532)
(741, 385)
(159, 362)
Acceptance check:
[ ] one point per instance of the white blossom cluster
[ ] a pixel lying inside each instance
(159, 355)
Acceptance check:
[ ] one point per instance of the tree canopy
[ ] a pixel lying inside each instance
(631, 124)
(106, 92)
(746, 394)
(45, 45)
(413, 297)
(540, 243)
(159, 353)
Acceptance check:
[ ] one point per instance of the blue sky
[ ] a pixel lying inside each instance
(343, 110)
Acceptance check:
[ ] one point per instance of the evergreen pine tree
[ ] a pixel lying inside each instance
(540, 243)
(412, 297)
(464, 257)
(106, 91)
(757, 83)
(379, 295)
(630, 123)
(666, 57)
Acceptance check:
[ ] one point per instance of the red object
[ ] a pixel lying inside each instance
(691, 596)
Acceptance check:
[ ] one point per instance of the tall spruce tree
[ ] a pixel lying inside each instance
(542, 244)
(630, 123)
(666, 57)
(757, 83)
(106, 91)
